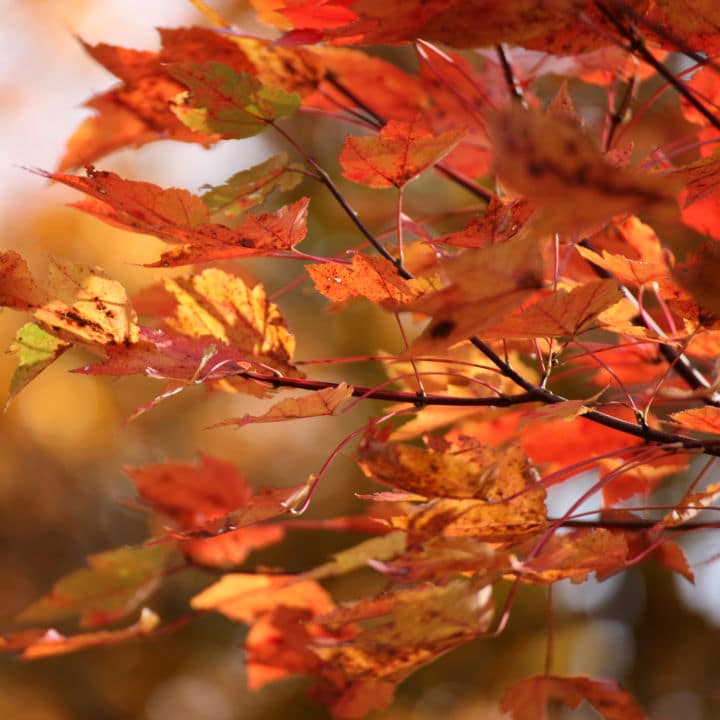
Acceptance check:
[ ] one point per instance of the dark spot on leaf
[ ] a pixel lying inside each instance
(442, 329)
(535, 169)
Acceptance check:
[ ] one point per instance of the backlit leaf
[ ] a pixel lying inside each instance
(371, 277)
(401, 151)
(564, 313)
(88, 306)
(703, 419)
(35, 349)
(232, 104)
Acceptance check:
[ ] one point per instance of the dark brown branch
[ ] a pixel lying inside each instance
(399, 396)
(513, 88)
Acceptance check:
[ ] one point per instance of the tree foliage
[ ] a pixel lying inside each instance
(569, 325)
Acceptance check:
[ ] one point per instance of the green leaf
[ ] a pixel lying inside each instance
(248, 188)
(381, 548)
(36, 349)
(117, 582)
(223, 101)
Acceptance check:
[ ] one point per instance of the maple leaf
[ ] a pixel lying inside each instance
(452, 22)
(411, 628)
(53, 643)
(211, 497)
(374, 278)
(529, 698)
(442, 557)
(217, 304)
(248, 188)
(245, 597)
(482, 287)
(703, 419)
(18, 288)
(232, 104)
(564, 313)
(115, 584)
(317, 404)
(501, 221)
(381, 86)
(177, 216)
(556, 164)
(35, 349)
(575, 555)
(401, 151)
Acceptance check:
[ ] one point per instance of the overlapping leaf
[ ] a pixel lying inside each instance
(210, 497)
(177, 216)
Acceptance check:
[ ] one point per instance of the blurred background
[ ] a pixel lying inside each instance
(63, 443)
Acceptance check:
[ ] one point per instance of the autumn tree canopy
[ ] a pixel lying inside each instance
(560, 316)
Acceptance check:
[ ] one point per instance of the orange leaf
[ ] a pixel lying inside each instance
(528, 699)
(483, 286)
(213, 507)
(90, 307)
(501, 221)
(704, 419)
(401, 151)
(564, 313)
(691, 505)
(259, 234)
(575, 555)
(178, 216)
(245, 598)
(18, 288)
(468, 470)
(53, 643)
(316, 404)
(371, 277)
